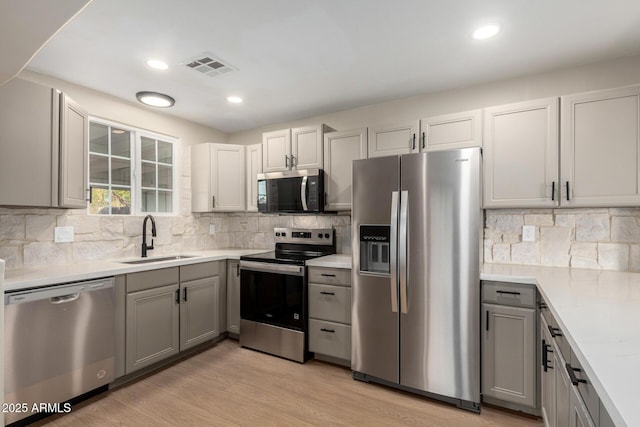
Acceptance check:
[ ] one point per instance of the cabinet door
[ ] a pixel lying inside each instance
(276, 150)
(233, 297)
(389, 140)
(201, 195)
(563, 389)
(28, 144)
(508, 363)
(254, 167)
(74, 154)
(521, 154)
(579, 416)
(228, 177)
(458, 130)
(306, 147)
(152, 326)
(548, 377)
(340, 149)
(600, 148)
(198, 311)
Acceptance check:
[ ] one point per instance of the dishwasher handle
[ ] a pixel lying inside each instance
(64, 298)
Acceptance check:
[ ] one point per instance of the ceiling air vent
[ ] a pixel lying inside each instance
(208, 64)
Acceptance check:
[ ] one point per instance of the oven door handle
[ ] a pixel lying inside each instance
(290, 270)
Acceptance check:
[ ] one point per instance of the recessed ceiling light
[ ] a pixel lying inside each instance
(234, 99)
(157, 64)
(486, 32)
(155, 99)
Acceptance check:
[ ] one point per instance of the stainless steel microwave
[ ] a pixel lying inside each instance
(295, 191)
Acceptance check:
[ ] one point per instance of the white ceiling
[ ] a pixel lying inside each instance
(301, 58)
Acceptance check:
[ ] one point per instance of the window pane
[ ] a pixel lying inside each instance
(99, 200)
(121, 201)
(165, 177)
(148, 149)
(98, 140)
(165, 201)
(165, 152)
(148, 174)
(120, 143)
(148, 200)
(120, 172)
(99, 169)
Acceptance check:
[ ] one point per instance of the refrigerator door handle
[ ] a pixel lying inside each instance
(393, 276)
(404, 238)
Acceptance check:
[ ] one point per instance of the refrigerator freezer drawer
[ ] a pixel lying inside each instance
(330, 302)
(330, 339)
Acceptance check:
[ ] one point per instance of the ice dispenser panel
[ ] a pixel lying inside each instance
(374, 248)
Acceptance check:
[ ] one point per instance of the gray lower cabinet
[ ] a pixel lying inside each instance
(233, 297)
(330, 314)
(169, 310)
(509, 370)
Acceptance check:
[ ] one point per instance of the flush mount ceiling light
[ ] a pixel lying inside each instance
(234, 99)
(155, 99)
(486, 32)
(157, 64)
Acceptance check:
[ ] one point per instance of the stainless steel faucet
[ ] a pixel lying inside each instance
(146, 248)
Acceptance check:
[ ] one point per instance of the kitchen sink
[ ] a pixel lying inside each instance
(158, 259)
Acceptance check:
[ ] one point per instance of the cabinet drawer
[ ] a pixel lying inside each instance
(515, 294)
(586, 390)
(152, 279)
(329, 302)
(331, 339)
(330, 276)
(199, 271)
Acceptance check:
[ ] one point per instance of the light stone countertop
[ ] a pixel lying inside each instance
(32, 277)
(599, 313)
(332, 261)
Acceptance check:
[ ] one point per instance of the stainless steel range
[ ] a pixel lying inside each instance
(273, 292)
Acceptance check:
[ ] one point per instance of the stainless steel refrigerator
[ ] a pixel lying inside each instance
(416, 283)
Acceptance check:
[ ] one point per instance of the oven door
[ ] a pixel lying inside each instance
(273, 294)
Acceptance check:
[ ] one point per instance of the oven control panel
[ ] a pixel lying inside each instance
(319, 236)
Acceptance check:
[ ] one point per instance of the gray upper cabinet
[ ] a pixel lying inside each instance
(448, 131)
(521, 154)
(43, 147)
(340, 149)
(297, 148)
(253, 168)
(600, 145)
(393, 139)
(218, 178)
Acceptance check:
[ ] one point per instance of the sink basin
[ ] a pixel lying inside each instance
(158, 259)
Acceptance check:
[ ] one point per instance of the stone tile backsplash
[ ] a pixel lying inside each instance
(26, 235)
(601, 238)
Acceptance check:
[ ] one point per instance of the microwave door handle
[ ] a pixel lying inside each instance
(303, 193)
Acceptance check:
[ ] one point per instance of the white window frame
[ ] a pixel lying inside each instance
(136, 168)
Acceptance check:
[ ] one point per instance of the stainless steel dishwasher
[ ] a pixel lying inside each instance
(59, 344)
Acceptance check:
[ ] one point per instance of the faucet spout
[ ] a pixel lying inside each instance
(146, 247)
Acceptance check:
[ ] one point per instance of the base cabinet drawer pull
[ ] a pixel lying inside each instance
(555, 332)
(327, 293)
(508, 292)
(327, 275)
(328, 330)
(572, 375)
(545, 355)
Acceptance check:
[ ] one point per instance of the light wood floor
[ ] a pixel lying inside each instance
(227, 385)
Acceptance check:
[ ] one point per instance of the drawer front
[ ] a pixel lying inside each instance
(199, 271)
(557, 333)
(330, 276)
(586, 390)
(514, 294)
(329, 302)
(152, 279)
(330, 339)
